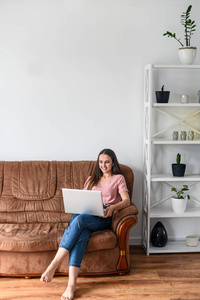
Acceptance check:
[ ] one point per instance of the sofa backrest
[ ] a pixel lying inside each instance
(31, 191)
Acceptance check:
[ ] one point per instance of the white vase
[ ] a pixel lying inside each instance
(179, 205)
(187, 55)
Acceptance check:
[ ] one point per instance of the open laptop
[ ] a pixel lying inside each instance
(83, 202)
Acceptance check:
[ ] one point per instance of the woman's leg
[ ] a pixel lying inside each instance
(71, 236)
(79, 223)
(77, 252)
(71, 288)
(47, 276)
(75, 259)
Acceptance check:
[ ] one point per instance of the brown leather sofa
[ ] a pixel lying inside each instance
(32, 219)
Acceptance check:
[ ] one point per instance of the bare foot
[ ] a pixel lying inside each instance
(47, 276)
(69, 293)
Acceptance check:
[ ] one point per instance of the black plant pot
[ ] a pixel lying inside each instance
(159, 236)
(178, 170)
(162, 96)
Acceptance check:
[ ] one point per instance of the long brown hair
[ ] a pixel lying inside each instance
(97, 173)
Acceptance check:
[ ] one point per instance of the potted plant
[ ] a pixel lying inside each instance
(187, 53)
(178, 169)
(162, 96)
(179, 201)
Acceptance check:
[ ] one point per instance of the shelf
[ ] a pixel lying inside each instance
(168, 213)
(176, 104)
(168, 177)
(174, 247)
(173, 142)
(176, 66)
(160, 120)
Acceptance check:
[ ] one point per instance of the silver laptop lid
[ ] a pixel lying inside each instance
(83, 202)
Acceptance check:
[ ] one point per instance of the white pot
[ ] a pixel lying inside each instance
(179, 205)
(192, 240)
(187, 55)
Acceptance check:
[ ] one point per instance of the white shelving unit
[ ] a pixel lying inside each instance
(160, 150)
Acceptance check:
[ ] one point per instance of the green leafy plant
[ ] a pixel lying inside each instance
(189, 28)
(162, 88)
(180, 192)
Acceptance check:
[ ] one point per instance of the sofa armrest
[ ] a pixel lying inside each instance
(122, 222)
(120, 216)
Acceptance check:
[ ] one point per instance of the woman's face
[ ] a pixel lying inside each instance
(105, 164)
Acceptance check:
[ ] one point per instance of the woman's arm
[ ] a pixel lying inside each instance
(124, 203)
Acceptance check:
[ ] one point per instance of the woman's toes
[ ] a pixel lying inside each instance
(69, 293)
(44, 278)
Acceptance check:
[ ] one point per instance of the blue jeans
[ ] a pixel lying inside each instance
(76, 236)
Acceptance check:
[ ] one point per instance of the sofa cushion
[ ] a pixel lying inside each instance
(28, 237)
(46, 237)
(34, 180)
(104, 239)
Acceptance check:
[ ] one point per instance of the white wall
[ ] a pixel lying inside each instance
(71, 76)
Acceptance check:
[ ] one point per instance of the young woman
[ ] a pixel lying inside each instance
(107, 178)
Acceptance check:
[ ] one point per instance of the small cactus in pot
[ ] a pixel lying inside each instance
(178, 169)
(162, 96)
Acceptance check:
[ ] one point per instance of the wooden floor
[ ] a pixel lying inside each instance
(166, 276)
